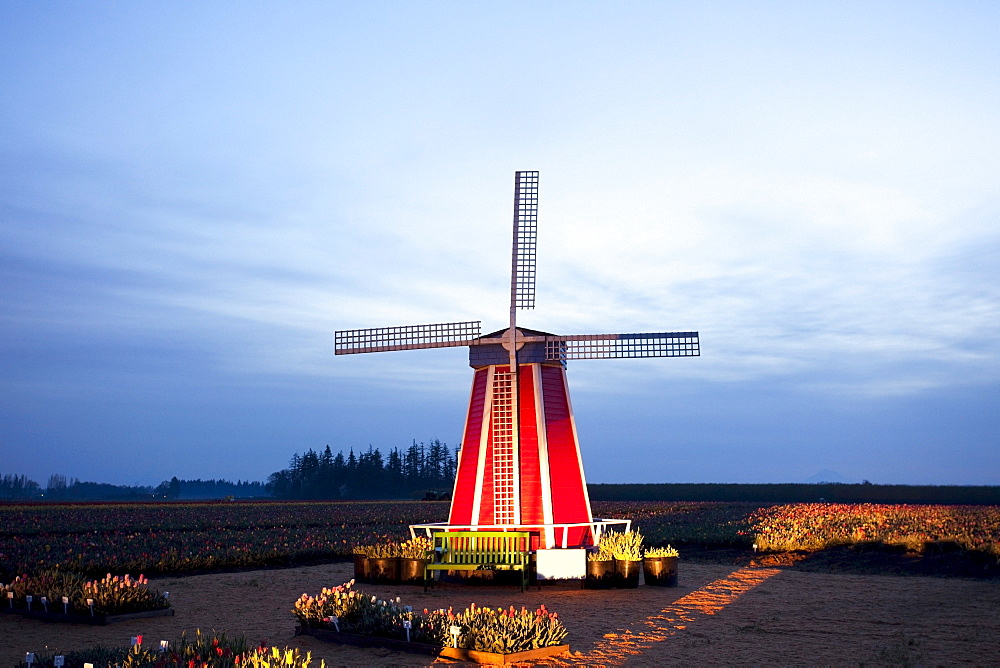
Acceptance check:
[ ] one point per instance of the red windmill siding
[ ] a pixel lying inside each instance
(550, 478)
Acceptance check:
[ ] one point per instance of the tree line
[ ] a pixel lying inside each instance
(423, 471)
(59, 488)
(420, 471)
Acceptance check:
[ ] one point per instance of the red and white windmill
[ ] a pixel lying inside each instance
(519, 465)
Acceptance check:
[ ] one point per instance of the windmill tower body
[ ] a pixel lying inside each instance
(534, 478)
(519, 466)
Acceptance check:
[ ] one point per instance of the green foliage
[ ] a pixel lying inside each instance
(621, 545)
(656, 552)
(384, 550)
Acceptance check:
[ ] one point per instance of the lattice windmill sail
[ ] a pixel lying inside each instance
(519, 465)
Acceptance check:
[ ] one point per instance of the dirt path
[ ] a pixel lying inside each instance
(719, 614)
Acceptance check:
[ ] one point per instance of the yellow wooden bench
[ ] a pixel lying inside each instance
(479, 550)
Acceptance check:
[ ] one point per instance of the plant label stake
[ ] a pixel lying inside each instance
(45, 603)
(59, 661)
(407, 624)
(90, 604)
(29, 658)
(10, 598)
(166, 594)
(65, 605)
(164, 646)
(336, 623)
(455, 631)
(29, 598)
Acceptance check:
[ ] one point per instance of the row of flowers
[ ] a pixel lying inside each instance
(172, 538)
(215, 651)
(484, 629)
(71, 593)
(812, 526)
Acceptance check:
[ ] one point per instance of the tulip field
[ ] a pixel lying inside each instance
(156, 538)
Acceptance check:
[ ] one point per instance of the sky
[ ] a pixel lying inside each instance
(195, 196)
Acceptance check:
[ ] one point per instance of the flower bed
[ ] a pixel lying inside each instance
(458, 653)
(60, 596)
(341, 613)
(215, 651)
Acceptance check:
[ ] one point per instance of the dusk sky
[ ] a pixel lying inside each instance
(195, 196)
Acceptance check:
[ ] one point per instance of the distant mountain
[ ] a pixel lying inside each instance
(826, 475)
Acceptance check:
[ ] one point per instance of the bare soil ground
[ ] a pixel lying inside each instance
(730, 608)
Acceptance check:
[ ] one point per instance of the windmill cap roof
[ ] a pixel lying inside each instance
(523, 330)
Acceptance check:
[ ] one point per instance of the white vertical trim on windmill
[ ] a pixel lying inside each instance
(544, 474)
(576, 440)
(461, 447)
(484, 439)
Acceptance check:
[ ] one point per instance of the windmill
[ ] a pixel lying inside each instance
(519, 465)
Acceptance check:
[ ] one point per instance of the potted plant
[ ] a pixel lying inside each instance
(362, 570)
(626, 548)
(600, 566)
(383, 563)
(413, 557)
(659, 566)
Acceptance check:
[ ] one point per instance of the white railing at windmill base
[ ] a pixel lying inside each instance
(597, 528)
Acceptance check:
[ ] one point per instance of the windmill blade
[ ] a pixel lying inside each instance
(607, 346)
(410, 337)
(522, 276)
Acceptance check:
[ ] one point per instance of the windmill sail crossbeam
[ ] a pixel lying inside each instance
(409, 337)
(610, 346)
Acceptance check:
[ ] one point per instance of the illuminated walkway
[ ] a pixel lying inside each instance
(617, 647)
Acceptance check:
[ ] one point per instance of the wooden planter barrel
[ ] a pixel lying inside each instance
(362, 572)
(600, 574)
(627, 574)
(411, 571)
(384, 571)
(660, 571)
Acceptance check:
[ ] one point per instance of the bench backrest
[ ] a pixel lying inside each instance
(483, 547)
